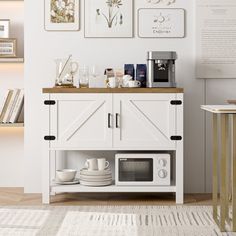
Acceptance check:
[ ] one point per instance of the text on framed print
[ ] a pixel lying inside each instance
(161, 23)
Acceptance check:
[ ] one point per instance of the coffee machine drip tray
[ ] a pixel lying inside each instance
(161, 69)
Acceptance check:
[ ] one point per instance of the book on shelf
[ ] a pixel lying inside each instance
(11, 105)
(3, 98)
(10, 92)
(17, 107)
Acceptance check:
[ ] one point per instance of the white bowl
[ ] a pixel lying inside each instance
(66, 175)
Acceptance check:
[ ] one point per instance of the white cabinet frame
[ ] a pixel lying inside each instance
(50, 150)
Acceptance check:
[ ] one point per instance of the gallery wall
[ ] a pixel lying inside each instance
(43, 47)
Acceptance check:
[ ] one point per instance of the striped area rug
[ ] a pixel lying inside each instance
(109, 221)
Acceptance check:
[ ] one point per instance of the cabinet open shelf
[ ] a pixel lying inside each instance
(12, 125)
(12, 60)
(112, 189)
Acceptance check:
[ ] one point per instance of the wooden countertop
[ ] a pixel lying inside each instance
(115, 90)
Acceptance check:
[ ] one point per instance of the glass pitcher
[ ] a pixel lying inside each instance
(65, 72)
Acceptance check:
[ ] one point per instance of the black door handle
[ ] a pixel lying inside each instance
(109, 120)
(117, 117)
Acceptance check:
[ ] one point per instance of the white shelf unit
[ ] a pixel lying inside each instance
(11, 60)
(103, 121)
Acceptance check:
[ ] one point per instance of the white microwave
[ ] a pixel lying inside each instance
(143, 169)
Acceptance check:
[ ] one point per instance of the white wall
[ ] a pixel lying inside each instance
(43, 47)
(11, 76)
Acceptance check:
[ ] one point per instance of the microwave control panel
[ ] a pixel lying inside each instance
(163, 170)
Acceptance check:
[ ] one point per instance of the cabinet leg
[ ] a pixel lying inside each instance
(46, 178)
(53, 167)
(179, 174)
(46, 198)
(179, 157)
(179, 198)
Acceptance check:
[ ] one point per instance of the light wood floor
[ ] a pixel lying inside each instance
(16, 196)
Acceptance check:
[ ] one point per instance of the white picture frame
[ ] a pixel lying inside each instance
(161, 23)
(4, 28)
(7, 47)
(98, 23)
(61, 15)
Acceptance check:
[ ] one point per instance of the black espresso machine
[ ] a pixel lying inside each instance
(161, 69)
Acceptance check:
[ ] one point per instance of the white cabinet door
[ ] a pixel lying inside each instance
(81, 121)
(144, 121)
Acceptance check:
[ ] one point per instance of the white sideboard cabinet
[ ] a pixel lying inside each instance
(112, 119)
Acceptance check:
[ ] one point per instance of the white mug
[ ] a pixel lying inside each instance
(134, 84)
(113, 82)
(103, 164)
(91, 164)
(126, 79)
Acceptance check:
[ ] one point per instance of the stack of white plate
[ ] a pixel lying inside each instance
(95, 178)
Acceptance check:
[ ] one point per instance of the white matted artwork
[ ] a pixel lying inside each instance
(61, 15)
(161, 23)
(108, 18)
(216, 39)
(4, 28)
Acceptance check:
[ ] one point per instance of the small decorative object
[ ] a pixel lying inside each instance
(167, 2)
(84, 77)
(66, 175)
(4, 28)
(103, 164)
(61, 15)
(119, 73)
(96, 79)
(129, 70)
(134, 84)
(109, 72)
(96, 173)
(109, 18)
(141, 74)
(161, 23)
(113, 82)
(98, 82)
(125, 80)
(7, 47)
(65, 72)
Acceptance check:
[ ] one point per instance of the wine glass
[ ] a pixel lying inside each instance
(94, 72)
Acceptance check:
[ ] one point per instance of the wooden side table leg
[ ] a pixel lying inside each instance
(223, 172)
(215, 168)
(234, 175)
(227, 140)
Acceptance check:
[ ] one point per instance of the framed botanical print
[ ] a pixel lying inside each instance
(62, 15)
(108, 18)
